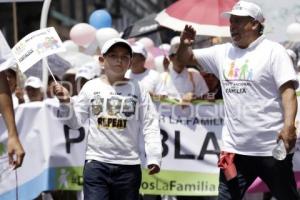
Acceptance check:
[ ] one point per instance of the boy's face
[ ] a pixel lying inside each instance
(138, 60)
(116, 61)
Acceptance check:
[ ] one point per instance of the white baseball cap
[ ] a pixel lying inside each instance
(245, 8)
(34, 82)
(111, 42)
(139, 48)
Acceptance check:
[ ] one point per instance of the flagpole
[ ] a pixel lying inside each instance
(43, 24)
(15, 21)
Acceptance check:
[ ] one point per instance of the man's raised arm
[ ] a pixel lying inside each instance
(184, 52)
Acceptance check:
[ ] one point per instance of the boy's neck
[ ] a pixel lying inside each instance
(114, 80)
(138, 70)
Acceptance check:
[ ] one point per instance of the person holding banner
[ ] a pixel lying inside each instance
(15, 150)
(258, 83)
(118, 110)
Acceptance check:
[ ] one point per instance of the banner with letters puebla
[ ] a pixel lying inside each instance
(55, 154)
(35, 46)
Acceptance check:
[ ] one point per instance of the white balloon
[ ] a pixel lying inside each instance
(104, 34)
(175, 40)
(70, 45)
(147, 42)
(293, 32)
(158, 62)
(165, 47)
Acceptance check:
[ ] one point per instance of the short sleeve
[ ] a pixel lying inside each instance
(282, 67)
(206, 57)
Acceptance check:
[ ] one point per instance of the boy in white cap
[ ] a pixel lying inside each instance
(258, 83)
(148, 77)
(118, 111)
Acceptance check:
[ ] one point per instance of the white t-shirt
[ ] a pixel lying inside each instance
(176, 85)
(116, 118)
(250, 80)
(149, 79)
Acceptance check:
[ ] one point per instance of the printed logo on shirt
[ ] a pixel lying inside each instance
(237, 77)
(114, 105)
(238, 72)
(97, 105)
(114, 111)
(129, 107)
(112, 123)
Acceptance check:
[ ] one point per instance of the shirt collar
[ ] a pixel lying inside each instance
(174, 74)
(254, 43)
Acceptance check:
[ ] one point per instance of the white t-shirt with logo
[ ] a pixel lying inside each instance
(250, 80)
(176, 85)
(149, 79)
(116, 118)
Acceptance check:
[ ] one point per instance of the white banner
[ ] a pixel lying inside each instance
(35, 46)
(55, 154)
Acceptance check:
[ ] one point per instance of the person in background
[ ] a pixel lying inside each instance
(180, 82)
(85, 73)
(149, 78)
(119, 110)
(33, 87)
(18, 96)
(68, 81)
(258, 83)
(214, 86)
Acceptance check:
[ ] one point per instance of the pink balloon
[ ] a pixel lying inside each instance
(150, 63)
(165, 47)
(155, 51)
(82, 34)
(131, 40)
(147, 42)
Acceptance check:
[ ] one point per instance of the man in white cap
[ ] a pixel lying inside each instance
(148, 77)
(119, 112)
(258, 83)
(33, 87)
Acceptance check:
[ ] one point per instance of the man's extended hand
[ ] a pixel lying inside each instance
(188, 35)
(289, 137)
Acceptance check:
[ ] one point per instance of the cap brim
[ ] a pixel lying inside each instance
(33, 86)
(118, 43)
(236, 13)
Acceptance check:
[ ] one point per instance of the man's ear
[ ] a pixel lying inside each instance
(101, 59)
(255, 25)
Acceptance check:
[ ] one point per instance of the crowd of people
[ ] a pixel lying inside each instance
(251, 73)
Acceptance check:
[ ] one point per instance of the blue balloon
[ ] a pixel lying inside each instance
(100, 19)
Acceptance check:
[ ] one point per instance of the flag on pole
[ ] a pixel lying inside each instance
(6, 57)
(35, 46)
